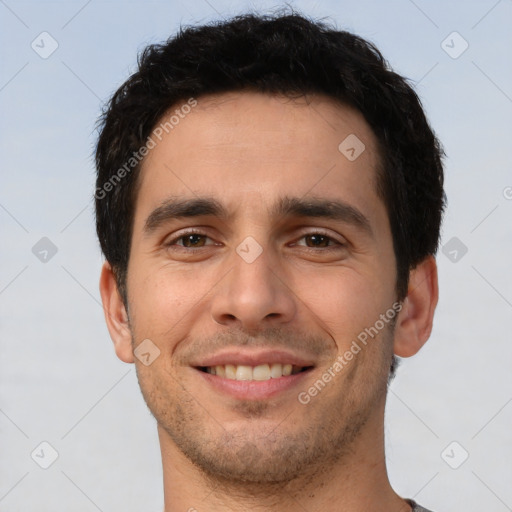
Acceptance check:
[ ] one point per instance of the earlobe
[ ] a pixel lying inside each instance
(116, 316)
(414, 322)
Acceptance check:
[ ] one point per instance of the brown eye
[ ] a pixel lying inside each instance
(193, 240)
(320, 242)
(317, 240)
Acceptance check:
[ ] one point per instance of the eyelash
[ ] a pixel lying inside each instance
(337, 243)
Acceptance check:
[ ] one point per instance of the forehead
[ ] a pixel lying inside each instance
(250, 149)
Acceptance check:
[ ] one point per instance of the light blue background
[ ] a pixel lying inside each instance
(60, 380)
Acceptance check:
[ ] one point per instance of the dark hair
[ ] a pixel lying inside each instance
(274, 54)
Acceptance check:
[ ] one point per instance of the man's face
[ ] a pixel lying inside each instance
(254, 273)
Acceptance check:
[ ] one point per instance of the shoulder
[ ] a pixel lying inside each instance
(416, 507)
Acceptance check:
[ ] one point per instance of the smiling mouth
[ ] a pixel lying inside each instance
(260, 372)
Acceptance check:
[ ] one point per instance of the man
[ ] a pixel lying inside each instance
(269, 199)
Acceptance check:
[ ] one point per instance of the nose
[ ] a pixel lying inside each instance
(254, 296)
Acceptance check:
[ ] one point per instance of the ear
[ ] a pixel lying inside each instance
(414, 322)
(115, 314)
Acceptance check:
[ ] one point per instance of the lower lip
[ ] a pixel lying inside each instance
(254, 389)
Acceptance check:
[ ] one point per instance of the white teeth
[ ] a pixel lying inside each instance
(260, 372)
(276, 370)
(230, 371)
(243, 372)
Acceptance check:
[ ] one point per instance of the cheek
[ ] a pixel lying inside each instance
(344, 301)
(165, 300)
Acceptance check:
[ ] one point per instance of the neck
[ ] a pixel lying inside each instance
(355, 482)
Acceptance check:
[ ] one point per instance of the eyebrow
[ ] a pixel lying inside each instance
(176, 208)
(322, 208)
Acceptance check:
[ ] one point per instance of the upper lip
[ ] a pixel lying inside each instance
(253, 358)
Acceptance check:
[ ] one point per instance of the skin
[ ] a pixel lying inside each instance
(306, 294)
